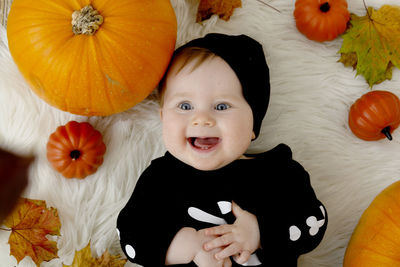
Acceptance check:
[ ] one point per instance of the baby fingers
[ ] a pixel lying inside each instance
(219, 230)
(230, 250)
(221, 241)
(243, 257)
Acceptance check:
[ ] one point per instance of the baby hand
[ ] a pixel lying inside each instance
(206, 258)
(187, 246)
(241, 238)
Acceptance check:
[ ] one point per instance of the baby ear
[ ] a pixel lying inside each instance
(253, 136)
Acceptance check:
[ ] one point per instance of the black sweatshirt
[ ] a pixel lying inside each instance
(171, 194)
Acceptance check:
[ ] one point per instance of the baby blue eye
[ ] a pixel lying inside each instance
(185, 106)
(222, 106)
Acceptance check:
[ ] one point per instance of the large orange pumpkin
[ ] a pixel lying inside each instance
(321, 20)
(375, 115)
(92, 57)
(76, 149)
(376, 239)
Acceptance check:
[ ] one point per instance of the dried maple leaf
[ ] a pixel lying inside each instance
(223, 8)
(84, 258)
(29, 224)
(372, 44)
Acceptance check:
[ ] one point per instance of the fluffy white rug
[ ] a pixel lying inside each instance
(310, 100)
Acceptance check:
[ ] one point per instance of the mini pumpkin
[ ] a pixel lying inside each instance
(321, 20)
(375, 240)
(76, 149)
(375, 115)
(92, 57)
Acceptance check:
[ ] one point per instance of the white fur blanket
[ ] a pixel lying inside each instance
(311, 94)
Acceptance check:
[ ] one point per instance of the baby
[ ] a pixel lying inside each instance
(205, 202)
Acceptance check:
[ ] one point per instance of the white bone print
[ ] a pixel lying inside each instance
(130, 251)
(203, 216)
(225, 207)
(295, 232)
(314, 224)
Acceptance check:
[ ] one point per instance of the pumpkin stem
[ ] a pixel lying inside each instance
(386, 132)
(325, 7)
(86, 21)
(75, 154)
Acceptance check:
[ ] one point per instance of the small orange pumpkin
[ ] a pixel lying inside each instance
(376, 238)
(76, 149)
(92, 57)
(375, 115)
(321, 20)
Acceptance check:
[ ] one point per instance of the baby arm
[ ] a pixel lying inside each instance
(241, 238)
(187, 246)
(183, 247)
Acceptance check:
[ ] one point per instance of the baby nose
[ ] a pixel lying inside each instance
(203, 119)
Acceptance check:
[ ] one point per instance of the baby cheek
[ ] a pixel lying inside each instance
(243, 141)
(236, 143)
(242, 126)
(242, 136)
(174, 132)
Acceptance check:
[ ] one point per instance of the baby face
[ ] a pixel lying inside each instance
(206, 121)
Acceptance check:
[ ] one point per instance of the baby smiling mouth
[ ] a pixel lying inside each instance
(203, 143)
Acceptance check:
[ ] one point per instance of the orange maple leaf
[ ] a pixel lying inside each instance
(223, 8)
(84, 258)
(29, 224)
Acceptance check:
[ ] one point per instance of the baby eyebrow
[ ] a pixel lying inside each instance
(175, 98)
(181, 95)
(228, 97)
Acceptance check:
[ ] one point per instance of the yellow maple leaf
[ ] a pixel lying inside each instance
(372, 43)
(29, 224)
(84, 257)
(223, 8)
